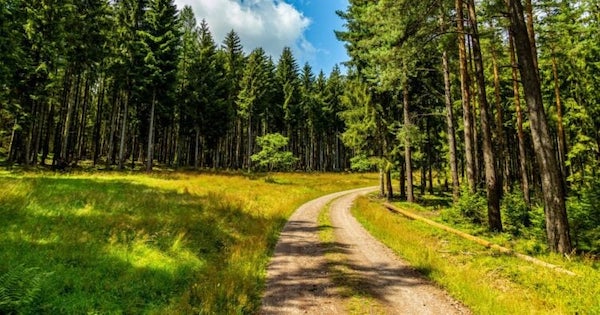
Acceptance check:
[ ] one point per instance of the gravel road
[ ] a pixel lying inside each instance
(298, 281)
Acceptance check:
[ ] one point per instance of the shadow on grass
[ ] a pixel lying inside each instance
(120, 247)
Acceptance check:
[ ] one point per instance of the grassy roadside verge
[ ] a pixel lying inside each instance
(486, 281)
(166, 243)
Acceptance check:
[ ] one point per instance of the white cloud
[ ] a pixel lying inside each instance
(270, 24)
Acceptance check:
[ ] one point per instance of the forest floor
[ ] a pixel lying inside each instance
(303, 278)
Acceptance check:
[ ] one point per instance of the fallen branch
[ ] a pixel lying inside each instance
(478, 240)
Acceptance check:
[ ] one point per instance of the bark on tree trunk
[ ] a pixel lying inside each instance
(531, 35)
(98, 122)
(493, 187)
(562, 142)
(123, 133)
(450, 126)
(557, 225)
(49, 128)
(502, 150)
(249, 142)
(81, 132)
(64, 154)
(388, 183)
(466, 98)
(381, 183)
(151, 134)
(410, 197)
(520, 133)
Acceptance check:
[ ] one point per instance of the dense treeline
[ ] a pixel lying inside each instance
(126, 82)
(501, 96)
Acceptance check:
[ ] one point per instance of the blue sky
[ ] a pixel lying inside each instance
(307, 26)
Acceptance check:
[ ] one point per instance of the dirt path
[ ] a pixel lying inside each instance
(298, 281)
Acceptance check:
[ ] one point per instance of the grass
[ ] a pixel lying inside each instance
(486, 281)
(165, 243)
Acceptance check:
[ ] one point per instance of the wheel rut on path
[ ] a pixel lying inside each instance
(298, 281)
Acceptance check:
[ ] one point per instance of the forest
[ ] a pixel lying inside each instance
(497, 97)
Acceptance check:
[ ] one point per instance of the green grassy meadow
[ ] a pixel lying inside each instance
(487, 281)
(165, 243)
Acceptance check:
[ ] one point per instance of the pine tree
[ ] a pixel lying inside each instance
(254, 89)
(288, 98)
(234, 69)
(161, 41)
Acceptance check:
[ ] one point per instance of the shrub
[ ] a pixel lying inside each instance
(472, 206)
(515, 213)
(584, 217)
(272, 157)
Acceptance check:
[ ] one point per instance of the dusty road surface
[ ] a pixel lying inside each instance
(298, 281)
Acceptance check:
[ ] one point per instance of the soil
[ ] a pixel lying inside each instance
(298, 281)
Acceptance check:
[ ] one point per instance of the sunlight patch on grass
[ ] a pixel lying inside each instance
(142, 255)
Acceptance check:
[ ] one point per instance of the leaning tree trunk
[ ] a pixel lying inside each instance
(466, 98)
(493, 186)
(557, 224)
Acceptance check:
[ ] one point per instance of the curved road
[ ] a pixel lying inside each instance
(297, 277)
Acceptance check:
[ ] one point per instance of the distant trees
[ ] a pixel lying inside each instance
(140, 83)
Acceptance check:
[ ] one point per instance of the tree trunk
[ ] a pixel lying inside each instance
(502, 150)
(381, 183)
(64, 154)
(402, 181)
(449, 118)
(197, 147)
(151, 134)
(450, 126)
(124, 133)
(562, 142)
(49, 128)
(410, 197)
(113, 127)
(493, 186)
(520, 133)
(557, 224)
(465, 83)
(249, 142)
(531, 35)
(388, 183)
(97, 125)
(81, 131)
